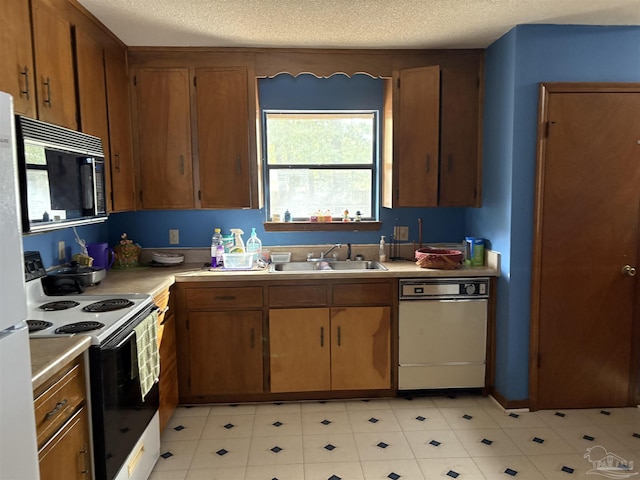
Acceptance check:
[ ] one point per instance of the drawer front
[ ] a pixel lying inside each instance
(223, 297)
(378, 293)
(58, 402)
(298, 296)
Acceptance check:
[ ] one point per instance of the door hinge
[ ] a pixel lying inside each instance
(195, 83)
(135, 81)
(200, 195)
(140, 196)
(398, 83)
(187, 324)
(547, 129)
(189, 382)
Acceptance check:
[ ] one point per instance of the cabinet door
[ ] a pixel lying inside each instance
(223, 137)
(92, 92)
(17, 76)
(55, 82)
(225, 352)
(66, 456)
(299, 349)
(416, 135)
(121, 151)
(164, 137)
(459, 138)
(360, 348)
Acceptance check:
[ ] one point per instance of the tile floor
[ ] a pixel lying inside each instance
(462, 438)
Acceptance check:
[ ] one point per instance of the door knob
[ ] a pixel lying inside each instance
(629, 270)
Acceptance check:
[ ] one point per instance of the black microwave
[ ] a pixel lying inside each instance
(62, 176)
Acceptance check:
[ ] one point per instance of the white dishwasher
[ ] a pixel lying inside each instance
(442, 333)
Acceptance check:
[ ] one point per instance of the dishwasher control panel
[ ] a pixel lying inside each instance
(444, 288)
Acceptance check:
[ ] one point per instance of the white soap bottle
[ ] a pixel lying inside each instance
(254, 245)
(381, 250)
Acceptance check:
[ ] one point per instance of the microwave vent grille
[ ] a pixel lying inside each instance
(64, 138)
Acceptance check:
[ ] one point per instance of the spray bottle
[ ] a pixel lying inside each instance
(238, 243)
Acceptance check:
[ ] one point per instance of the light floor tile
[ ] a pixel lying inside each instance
(325, 423)
(426, 418)
(329, 448)
(323, 406)
(373, 404)
(607, 416)
(168, 475)
(233, 409)
(561, 467)
(382, 446)
(386, 469)
(539, 441)
(468, 417)
(628, 435)
(515, 420)
(196, 411)
(281, 472)
(440, 467)
(184, 428)
(221, 452)
(455, 401)
(227, 426)
(581, 437)
(278, 450)
(487, 442)
(279, 407)
(411, 402)
(325, 471)
(175, 455)
(373, 421)
(276, 424)
(435, 444)
(494, 468)
(562, 418)
(222, 473)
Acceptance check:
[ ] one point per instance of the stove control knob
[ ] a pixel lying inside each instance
(470, 288)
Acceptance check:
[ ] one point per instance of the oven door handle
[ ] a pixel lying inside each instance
(132, 333)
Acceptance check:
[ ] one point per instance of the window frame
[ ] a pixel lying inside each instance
(373, 167)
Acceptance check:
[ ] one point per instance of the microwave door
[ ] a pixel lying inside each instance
(87, 186)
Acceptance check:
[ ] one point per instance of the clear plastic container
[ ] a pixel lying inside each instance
(237, 261)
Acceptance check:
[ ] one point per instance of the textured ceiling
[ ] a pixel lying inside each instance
(344, 23)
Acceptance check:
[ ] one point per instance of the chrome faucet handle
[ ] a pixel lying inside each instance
(309, 255)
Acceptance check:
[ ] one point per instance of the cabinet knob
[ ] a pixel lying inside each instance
(629, 271)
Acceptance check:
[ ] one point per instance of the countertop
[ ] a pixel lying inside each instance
(49, 355)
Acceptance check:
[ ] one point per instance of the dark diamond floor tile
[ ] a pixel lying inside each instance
(514, 415)
(393, 476)
(325, 422)
(420, 418)
(276, 449)
(486, 441)
(277, 424)
(605, 412)
(588, 437)
(467, 417)
(166, 455)
(511, 471)
(229, 426)
(373, 420)
(222, 452)
(560, 414)
(329, 447)
(453, 474)
(382, 445)
(334, 477)
(178, 428)
(538, 440)
(435, 443)
(567, 469)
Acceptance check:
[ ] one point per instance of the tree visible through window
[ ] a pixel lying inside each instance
(318, 161)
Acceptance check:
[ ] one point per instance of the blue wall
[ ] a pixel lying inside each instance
(515, 64)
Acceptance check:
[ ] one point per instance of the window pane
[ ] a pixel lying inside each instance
(320, 138)
(303, 191)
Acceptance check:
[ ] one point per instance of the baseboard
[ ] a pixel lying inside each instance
(508, 404)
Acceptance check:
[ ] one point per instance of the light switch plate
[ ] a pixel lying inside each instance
(174, 236)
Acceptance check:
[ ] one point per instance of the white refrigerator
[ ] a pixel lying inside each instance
(18, 448)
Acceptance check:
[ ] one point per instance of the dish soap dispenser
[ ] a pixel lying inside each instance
(254, 245)
(381, 250)
(238, 243)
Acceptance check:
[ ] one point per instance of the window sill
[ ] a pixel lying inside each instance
(322, 226)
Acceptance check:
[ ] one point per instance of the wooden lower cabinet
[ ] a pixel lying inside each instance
(345, 348)
(299, 343)
(225, 352)
(62, 425)
(66, 456)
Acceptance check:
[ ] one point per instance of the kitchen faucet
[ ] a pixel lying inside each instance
(323, 255)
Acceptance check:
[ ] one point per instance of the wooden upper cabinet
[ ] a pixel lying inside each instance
(164, 138)
(119, 120)
(416, 137)
(459, 137)
(16, 74)
(223, 137)
(55, 83)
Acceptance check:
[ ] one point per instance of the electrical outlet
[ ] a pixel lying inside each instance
(61, 254)
(401, 233)
(174, 236)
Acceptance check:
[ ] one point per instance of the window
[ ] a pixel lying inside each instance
(319, 161)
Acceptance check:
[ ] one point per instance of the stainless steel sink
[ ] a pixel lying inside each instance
(340, 265)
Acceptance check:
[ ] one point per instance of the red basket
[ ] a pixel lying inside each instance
(438, 258)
